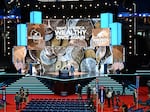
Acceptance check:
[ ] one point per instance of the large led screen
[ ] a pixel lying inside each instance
(59, 43)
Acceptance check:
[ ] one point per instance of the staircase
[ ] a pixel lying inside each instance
(108, 82)
(29, 82)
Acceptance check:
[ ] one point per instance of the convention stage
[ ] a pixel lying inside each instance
(67, 85)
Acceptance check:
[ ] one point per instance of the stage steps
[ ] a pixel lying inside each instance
(28, 82)
(108, 82)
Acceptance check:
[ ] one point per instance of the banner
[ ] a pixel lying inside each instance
(36, 33)
(19, 58)
(117, 52)
(101, 37)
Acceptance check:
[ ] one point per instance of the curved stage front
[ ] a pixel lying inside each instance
(65, 84)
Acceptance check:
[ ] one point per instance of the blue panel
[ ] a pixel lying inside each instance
(116, 33)
(119, 37)
(21, 35)
(36, 17)
(106, 19)
(137, 81)
(18, 34)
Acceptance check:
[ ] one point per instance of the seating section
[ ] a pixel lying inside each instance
(58, 105)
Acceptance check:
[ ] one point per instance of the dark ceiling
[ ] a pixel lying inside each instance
(141, 6)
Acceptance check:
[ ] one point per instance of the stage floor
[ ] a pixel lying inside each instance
(77, 75)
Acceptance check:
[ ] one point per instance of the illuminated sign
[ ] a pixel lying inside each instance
(77, 32)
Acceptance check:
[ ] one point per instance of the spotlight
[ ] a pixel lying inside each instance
(136, 54)
(144, 15)
(28, 5)
(89, 16)
(115, 2)
(71, 6)
(62, 6)
(85, 8)
(44, 6)
(130, 25)
(130, 31)
(130, 41)
(130, 9)
(36, 5)
(8, 11)
(54, 16)
(18, 4)
(120, 15)
(130, 47)
(90, 5)
(8, 27)
(130, 36)
(130, 20)
(130, 53)
(130, 14)
(80, 5)
(8, 21)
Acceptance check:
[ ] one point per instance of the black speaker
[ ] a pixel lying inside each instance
(11, 68)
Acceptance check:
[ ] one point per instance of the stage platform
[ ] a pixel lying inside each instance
(84, 75)
(77, 75)
(67, 86)
(62, 85)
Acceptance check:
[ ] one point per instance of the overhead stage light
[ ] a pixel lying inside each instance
(90, 5)
(44, 6)
(28, 5)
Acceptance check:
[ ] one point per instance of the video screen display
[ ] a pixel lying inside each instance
(59, 43)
